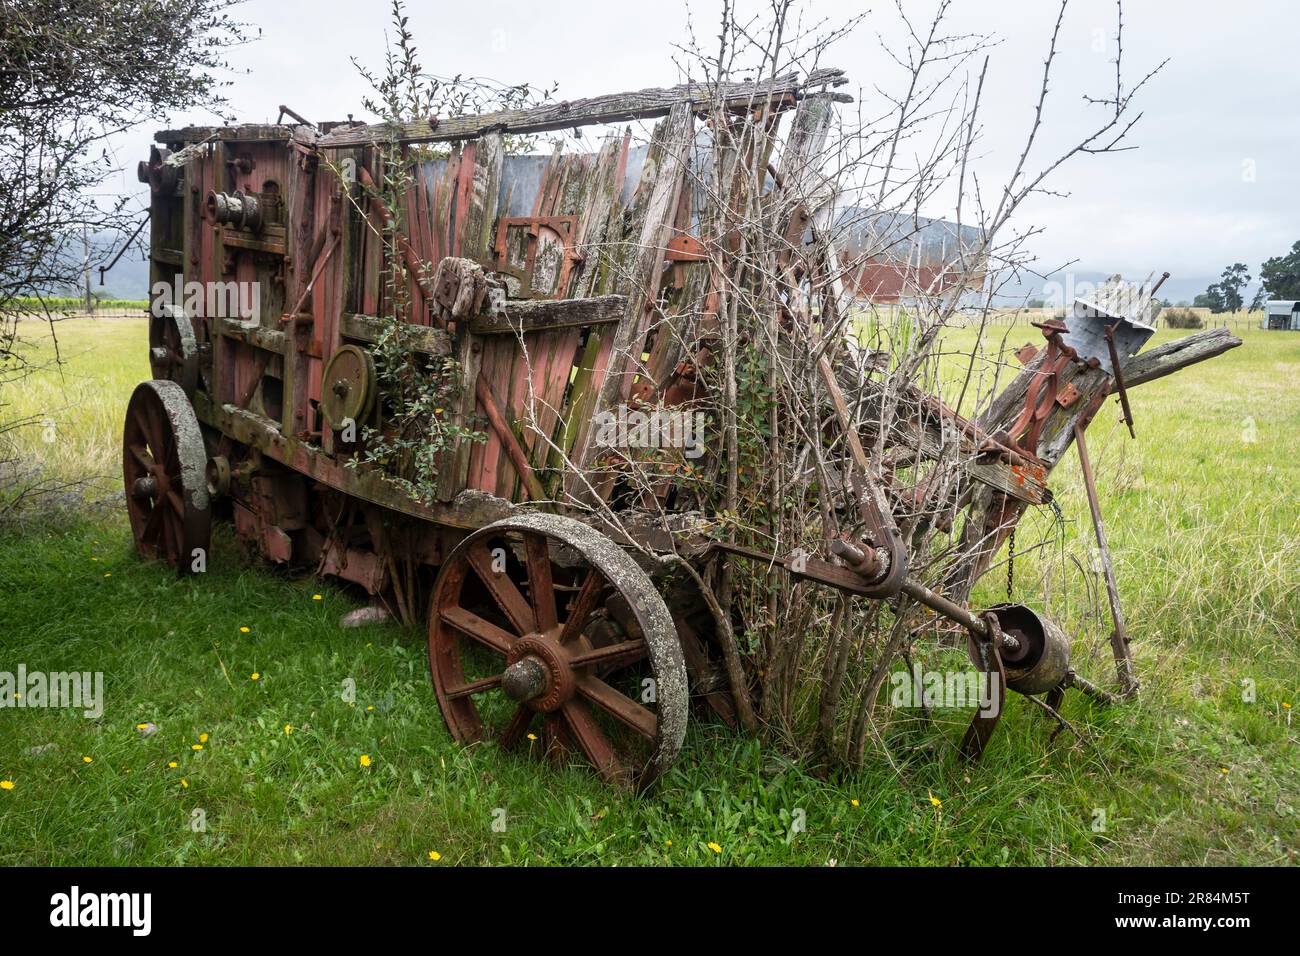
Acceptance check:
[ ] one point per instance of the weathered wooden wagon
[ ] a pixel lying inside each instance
(558, 288)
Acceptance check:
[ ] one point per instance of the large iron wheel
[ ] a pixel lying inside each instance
(542, 620)
(163, 462)
(173, 347)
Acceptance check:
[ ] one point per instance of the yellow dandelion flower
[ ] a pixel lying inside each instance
(288, 729)
(715, 848)
(93, 558)
(1286, 705)
(243, 630)
(371, 707)
(196, 746)
(6, 784)
(532, 736)
(365, 760)
(1223, 770)
(203, 738)
(255, 676)
(185, 783)
(935, 801)
(853, 802)
(171, 764)
(668, 842)
(141, 726)
(108, 574)
(87, 759)
(316, 597)
(435, 855)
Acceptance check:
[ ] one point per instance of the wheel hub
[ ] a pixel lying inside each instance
(532, 653)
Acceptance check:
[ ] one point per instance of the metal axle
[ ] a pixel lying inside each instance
(871, 562)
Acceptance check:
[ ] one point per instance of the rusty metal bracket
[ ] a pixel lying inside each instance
(565, 227)
(1117, 366)
(1119, 640)
(316, 271)
(1046, 390)
(684, 247)
(983, 724)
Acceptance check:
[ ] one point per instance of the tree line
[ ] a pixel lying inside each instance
(1279, 279)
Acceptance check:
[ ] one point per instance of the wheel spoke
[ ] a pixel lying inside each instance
(556, 733)
(621, 654)
(503, 590)
(176, 552)
(518, 726)
(541, 590)
(143, 457)
(152, 525)
(485, 632)
(624, 709)
(175, 498)
(474, 687)
(593, 742)
(583, 605)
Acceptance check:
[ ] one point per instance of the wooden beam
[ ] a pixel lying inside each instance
(272, 340)
(518, 457)
(662, 183)
(423, 338)
(470, 509)
(612, 108)
(1172, 356)
(537, 315)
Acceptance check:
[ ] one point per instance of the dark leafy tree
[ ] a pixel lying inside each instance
(1211, 298)
(1281, 275)
(74, 73)
(1232, 283)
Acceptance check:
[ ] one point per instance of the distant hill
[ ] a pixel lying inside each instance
(129, 279)
(1175, 289)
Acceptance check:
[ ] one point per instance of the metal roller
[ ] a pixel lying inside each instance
(1038, 659)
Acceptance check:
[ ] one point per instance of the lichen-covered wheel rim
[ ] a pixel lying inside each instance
(163, 461)
(541, 622)
(173, 348)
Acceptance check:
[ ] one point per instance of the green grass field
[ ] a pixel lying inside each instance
(1202, 768)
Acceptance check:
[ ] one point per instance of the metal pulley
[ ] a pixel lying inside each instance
(348, 386)
(1037, 658)
(239, 209)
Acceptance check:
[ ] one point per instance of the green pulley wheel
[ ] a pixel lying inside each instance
(348, 387)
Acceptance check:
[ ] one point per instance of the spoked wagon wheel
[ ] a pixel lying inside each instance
(163, 462)
(581, 647)
(173, 348)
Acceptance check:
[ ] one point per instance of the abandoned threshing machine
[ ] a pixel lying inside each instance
(561, 287)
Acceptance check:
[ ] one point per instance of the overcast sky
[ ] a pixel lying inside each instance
(1216, 178)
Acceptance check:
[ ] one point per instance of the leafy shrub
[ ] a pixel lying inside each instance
(1182, 319)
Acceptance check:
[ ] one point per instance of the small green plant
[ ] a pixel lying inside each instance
(418, 392)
